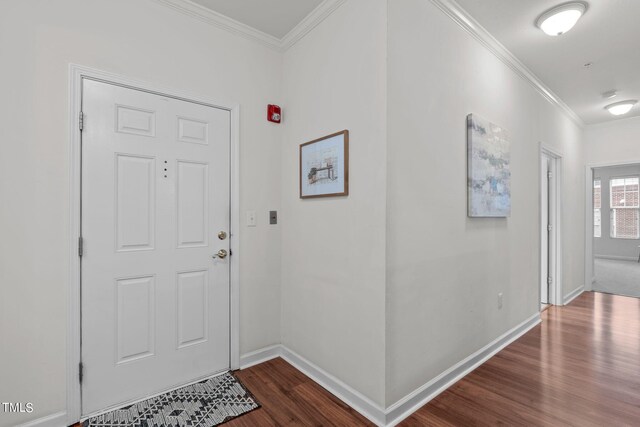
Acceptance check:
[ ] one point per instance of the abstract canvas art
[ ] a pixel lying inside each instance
(324, 166)
(489, 172)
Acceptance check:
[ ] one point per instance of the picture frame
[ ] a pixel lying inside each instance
(324, 166)
(488, 169)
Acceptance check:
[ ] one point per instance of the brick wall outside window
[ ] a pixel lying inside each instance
(625, 208)
(597, 205)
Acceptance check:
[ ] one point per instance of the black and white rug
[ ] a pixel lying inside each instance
(207, 403)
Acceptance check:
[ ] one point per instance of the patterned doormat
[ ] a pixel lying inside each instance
(207, 403)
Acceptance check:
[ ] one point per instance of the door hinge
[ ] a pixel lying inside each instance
(80, 371)
(80, 246)
(549, 175)
(81, 120)
(549, 227)
(549, 280)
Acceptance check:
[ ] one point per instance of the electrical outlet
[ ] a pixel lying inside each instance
(500, 300)
(251, 218)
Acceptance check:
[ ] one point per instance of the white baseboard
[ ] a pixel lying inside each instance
(415, 400)
(262, 355)
(617, 258)
(356, 400)
(573, 295)
(403, 408)
(59, 419)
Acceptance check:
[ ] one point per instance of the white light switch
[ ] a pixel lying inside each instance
(251, 218)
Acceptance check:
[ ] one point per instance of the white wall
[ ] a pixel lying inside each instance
(613, 142)
(383, 289)
(333, 259)
(444, 270)
(142, 40)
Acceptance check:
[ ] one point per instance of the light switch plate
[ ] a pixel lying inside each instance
(251, 218)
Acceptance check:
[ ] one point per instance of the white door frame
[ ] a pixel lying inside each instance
(555, 290)
(588, 232)
(76, 74)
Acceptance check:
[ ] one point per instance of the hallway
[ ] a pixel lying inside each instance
(579, 367)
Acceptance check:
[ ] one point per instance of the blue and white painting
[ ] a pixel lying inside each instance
(489, 172)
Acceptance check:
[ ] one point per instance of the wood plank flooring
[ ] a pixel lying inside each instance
(580, 367)
(289, 398)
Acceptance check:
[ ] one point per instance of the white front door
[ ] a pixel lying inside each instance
(155, 196)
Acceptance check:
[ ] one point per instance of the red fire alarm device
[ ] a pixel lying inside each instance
(274, 113)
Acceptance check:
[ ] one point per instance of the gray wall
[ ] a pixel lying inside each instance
(605, 246)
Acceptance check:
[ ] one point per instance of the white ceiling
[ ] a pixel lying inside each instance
(274, 17)
(608, 36)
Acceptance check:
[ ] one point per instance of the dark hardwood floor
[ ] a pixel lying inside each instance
(580, 367)
(289, 398)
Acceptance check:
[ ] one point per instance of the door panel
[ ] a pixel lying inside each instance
(155, 194)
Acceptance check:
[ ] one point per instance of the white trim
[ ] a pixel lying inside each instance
(234, 240)
(555, 294)
(356, 400)
(406, 406)
(312, 20)
(76, 74)
(473, 27)
(262, 355)
(616, 258)
(73, 293)
(315, 17)
(415, 400)
(54, 420)
(573, 295)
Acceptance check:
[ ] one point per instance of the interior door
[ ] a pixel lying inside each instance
(155, 196)
(545, 224)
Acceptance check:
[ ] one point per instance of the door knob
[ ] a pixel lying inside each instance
(222, 254)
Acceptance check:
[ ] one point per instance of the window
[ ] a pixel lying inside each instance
(625, 208)
(597, 205)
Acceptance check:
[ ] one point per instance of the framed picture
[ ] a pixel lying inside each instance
(324, 166)
(489, 169)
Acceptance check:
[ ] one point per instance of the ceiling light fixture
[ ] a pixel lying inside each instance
(562, 18)
(622, 107)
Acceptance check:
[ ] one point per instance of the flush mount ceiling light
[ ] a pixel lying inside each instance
(562, 18)
(622, 107)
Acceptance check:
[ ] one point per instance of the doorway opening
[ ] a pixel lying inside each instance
(615, 231)
(550, 227)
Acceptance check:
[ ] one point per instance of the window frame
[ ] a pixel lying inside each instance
(612, 208)
(597, 209)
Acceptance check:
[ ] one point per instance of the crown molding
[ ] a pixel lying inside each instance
(315, 17)
(473, 27)
(319, 14)
(221, 21)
